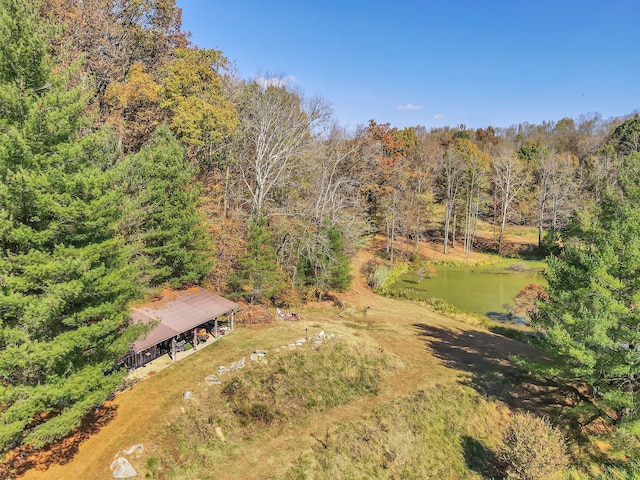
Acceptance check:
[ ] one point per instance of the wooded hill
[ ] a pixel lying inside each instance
(132, 160)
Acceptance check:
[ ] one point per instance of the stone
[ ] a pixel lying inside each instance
(188, 394)
(219, 433)
(212, 380)
(260, 353)
(253, 357)
(121, 468)
(134, 450)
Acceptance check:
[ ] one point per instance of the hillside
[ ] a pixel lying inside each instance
(430, 353)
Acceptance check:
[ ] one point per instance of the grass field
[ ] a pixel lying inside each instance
(398, 391)
(441, 395)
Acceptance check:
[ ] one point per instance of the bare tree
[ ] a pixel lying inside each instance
(545, 167)
(422, 157)
(322, 218)
(276, 125)
(563, 186)
(335, 186)
(511, 177)
(451, 176)
(475, 164)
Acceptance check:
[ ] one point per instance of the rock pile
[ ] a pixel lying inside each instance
(239, 365)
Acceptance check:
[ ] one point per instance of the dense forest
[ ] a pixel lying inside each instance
(133, 160)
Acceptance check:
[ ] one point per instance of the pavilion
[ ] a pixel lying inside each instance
(177, 314)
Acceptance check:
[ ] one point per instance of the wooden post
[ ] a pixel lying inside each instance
(232, 318)
(173, 349)
(215, 328)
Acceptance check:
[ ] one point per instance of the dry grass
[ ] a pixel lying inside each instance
(446, 431)
(432, 353)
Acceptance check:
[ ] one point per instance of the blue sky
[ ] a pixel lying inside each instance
(436, 63)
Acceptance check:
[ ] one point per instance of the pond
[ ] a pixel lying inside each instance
(479, 289)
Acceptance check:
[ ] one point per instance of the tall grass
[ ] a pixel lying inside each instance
(262, 399)
(383, 277)
(443, 432)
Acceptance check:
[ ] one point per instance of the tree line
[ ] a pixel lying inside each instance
(132, 160)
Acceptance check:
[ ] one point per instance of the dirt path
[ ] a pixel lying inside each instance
(430, 347)
(418, 370)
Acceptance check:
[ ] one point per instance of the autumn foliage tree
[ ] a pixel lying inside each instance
(194, 95)
(133, 107)
(113, 35)
(386, 179)
(526, 302)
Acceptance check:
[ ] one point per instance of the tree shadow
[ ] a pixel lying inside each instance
(488, 360)
(480, 458)
(25, 458)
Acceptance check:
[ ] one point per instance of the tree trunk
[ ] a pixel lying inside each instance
(225, 197)
(453, 232)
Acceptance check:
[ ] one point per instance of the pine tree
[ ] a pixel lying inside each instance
(258, 276)
(65, 277)
(163, 213)
(592, 318)
(340, 277)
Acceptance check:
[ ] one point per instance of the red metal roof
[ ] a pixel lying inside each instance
(178, 312)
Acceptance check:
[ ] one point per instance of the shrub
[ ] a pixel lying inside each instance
(382, 277)
(441, 306)
(532, 449)
(378, 276)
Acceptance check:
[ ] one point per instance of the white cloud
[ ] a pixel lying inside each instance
(410, 106)
(278, 81)
(438, 116)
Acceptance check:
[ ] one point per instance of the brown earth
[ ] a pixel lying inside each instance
(429, 347)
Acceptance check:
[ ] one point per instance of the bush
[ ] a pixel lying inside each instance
(378, 276)
(532, 449)
(382, 277)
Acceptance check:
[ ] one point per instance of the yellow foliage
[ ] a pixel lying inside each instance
(193, 93)
(138, 89)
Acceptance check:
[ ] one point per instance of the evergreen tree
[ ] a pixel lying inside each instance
(341, 277)
(258, 276)
(592, 317)
(65, 279)
(163, 213)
